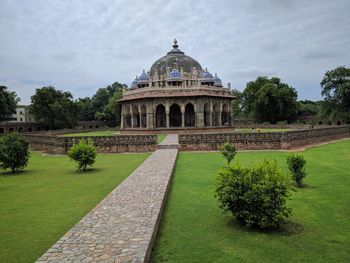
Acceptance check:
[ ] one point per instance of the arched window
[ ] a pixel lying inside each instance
(190, 117)
(160, 116)
(175, 116)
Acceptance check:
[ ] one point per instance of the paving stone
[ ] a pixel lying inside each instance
(121, 227)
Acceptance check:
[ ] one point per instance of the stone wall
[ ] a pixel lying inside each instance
(104, 144)
(262, 140)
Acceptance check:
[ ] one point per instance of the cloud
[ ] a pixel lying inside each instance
(81, 46)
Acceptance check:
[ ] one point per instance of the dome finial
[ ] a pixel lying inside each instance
(175, 44)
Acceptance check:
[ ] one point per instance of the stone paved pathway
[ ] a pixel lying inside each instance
(121, 228)
(171, 141)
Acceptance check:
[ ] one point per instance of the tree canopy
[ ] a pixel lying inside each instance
(269, 100)
(336, 92)
(8, 103)
(55, 108)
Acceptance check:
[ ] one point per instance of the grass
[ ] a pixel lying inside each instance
(92, 133)
(160, 138)
(261, 130)
(42, 203)
(193, 228)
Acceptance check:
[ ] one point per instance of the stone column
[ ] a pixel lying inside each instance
(182, 119)
(167, 111)
(140, 116)
(210, 113)
(220, 114)
(132, 117)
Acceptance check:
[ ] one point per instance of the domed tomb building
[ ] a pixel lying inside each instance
(177, 93)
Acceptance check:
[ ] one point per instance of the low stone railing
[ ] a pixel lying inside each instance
(105, 144)
(261, 140)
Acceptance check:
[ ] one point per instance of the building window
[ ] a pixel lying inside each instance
(21, 119)
(21, 112)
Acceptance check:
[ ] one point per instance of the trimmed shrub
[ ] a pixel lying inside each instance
(84, 153)
(14, 152)
(228, 151)
(255, 196)
(296, 165)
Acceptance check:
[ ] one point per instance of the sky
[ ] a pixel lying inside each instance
(80, 46)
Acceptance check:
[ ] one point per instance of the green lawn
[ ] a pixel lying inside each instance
(39, 205)
(92, 133)
(261, 130)
(193, 228)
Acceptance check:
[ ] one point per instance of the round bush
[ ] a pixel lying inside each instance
(255, 196)
(84, 153)
(14, 152)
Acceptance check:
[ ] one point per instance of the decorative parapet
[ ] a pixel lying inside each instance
(155, 92)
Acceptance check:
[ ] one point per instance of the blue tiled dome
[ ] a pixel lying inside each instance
(174, 74)
(217, 81)
(206, 74)
(134, 83)
(206, 77)
(144, 78)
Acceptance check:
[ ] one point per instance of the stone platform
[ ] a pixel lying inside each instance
(123, 227)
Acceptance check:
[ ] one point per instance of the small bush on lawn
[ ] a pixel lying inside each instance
(84, 153)
(296, 165)
(14, 152)
(228, 151)
(255, 196)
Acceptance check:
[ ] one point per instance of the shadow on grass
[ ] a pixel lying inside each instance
(288, 228)
(88, 171)
(8, 173)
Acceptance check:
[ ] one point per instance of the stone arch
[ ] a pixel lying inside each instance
(216, 115)
(207, 116)
(135, 117)
(20, 129)
(175, 117)
(225, 115)
(30, 129)
(190, 116)
(160, 116)
(11, 129)
(127, 117)
(143, 116)
(2, 130)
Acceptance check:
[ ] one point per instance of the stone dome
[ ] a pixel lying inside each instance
(175, 58)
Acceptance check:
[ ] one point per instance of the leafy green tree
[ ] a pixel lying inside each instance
(269, 100)
(296, 164)
(256, 196)
(228, 151)
(308, 107)
(84, 153)
(14, 152)
(86, 112)
(8, 103)
(237, 103)
(336, 92)
(55, 108)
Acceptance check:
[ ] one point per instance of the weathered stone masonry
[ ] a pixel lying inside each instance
(261, 141)
(104, 144)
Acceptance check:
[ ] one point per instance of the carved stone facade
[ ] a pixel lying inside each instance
(176, 93)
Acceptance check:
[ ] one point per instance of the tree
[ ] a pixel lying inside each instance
(308, 107)
(8, 103)
(228, 151)
(256, 196)
(55, 108)
(296, 164)
(269, 100)
(86, 112)
(237, 103)
(336, 92)
(84, 153)
(14, 152)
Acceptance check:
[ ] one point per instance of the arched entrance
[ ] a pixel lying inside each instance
(2, 130)
(225, 115)
(216, 115)
(135, 117)
(175, 116)
(190, 117)
(160, 116)
(143, 116)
